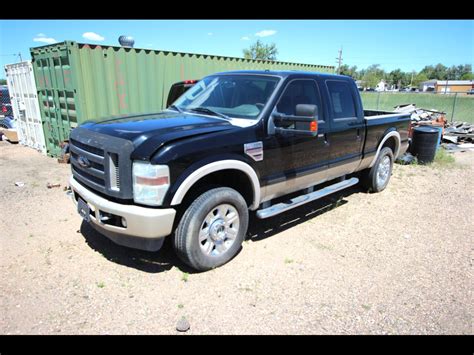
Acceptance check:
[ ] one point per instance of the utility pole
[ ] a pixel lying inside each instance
(339, 61)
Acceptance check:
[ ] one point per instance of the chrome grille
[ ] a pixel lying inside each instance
(95, 171)
(101, 162)
(87, 148)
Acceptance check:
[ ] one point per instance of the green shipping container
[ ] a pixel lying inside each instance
(77, 82)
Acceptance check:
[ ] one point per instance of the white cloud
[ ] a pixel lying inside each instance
(210, 33)
(42, 38)
(92, 36)
(245, 38)
(265, 33)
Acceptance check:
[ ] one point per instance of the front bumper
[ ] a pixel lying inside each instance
(145, 228)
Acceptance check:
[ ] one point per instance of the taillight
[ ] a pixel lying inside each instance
(190, 81)
(4, 109)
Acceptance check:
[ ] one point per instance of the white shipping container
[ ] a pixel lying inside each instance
(23, 94)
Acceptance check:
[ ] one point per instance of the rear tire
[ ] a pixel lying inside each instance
(212, 229)
(376, 178)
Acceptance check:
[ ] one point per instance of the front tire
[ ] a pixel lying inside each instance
(212, 229)
(376, 178)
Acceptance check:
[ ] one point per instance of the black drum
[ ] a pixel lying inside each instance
(424, 143)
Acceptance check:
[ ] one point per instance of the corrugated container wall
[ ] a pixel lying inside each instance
(23, 94)
(78, 82)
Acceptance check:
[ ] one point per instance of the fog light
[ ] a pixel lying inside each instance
(124, 222)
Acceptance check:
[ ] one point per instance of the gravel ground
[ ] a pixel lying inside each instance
(397, 262)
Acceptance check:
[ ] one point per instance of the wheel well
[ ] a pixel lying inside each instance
(392, 144)
(233, 178)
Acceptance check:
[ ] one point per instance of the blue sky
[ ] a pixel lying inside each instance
(405, 44)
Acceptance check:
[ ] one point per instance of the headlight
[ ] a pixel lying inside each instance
(150, 183)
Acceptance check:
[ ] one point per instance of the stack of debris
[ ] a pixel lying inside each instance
(459, 136)
(422, 116)
(459, 132)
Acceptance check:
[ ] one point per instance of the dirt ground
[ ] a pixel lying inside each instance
(397, 262)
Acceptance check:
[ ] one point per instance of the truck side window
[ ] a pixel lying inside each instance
(302, 91)
(342, 101)
(176, 91)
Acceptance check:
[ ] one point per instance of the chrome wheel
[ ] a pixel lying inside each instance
(383, 171)
(219, 230)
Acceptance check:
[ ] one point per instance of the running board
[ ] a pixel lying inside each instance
(302, 199)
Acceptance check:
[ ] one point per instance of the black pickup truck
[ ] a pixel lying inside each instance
(264, 141)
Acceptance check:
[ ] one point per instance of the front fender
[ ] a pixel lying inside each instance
(201, 169)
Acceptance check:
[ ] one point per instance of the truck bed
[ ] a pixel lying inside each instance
(377, 125)
(374, 114)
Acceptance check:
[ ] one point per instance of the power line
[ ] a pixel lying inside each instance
(10, 55)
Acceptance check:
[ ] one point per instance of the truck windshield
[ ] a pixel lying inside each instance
(236, 96)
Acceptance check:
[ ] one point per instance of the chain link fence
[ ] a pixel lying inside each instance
(458, 106)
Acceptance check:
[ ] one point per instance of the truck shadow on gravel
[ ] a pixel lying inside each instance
(150, 262)
(165, 258)
(260, 229)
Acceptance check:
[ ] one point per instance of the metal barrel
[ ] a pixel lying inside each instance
(425, 140)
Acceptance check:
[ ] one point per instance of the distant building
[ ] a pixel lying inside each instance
(442, 86)
(381, 86)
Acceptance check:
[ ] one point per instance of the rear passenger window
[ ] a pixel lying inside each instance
(342, 102)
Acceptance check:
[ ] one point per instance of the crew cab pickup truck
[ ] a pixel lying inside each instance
(235, 143)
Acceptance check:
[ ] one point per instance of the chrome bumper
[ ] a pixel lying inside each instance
(145, 227)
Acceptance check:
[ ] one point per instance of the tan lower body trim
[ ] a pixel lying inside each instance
(302, 182)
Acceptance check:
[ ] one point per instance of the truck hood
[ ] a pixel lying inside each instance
(149, 132)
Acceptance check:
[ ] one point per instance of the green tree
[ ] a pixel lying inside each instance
(396, 77)
(437, 72)
(262, 51)
(428, 70)
(3, 82)
(419, 78)
(349, 71)
(372, 76)
(370, 80)
(344, 69)
(458, 72)
(407, 78)
(441, 71)
(466, 71)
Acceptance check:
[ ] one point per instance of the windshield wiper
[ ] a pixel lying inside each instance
(209, 111)
(174, 107)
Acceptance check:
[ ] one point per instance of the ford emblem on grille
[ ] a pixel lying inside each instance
(84, 162)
